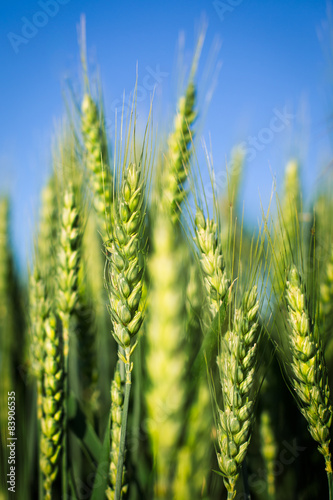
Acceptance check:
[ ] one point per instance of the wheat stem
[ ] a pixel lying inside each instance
(121, 456)
(330, 487)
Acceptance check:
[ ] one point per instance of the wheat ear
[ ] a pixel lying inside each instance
(308, 371)
(237, 365)
(166, 354)
(198, 436)
(178, 155)
(51, 423)
(67, 281)
(211, 261)
(48, 233)
(38, 312)
(125, 261)
(97, 161)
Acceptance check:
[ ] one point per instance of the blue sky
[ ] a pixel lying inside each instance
(273, 90)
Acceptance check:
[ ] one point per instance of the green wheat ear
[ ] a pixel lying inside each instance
(178, 155)
(68, 261)
(167, 356)
(96, 155)
(48, 233)
(125, 270)
(308, 371)
(237, 365)
(51, 423)
(125, 257)
(97, 161)
(198, 448)
(67, 293)
(211, 261)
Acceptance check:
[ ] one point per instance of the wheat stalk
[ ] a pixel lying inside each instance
(117, 399)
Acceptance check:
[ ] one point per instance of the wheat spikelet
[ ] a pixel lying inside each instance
(308, 370)
(51, 423)
(237, 364)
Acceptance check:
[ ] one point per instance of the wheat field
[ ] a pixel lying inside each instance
(160, 348)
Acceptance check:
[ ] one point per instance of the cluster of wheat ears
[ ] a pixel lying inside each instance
(152, 348)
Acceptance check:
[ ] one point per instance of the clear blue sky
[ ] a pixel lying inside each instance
(273, 64)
